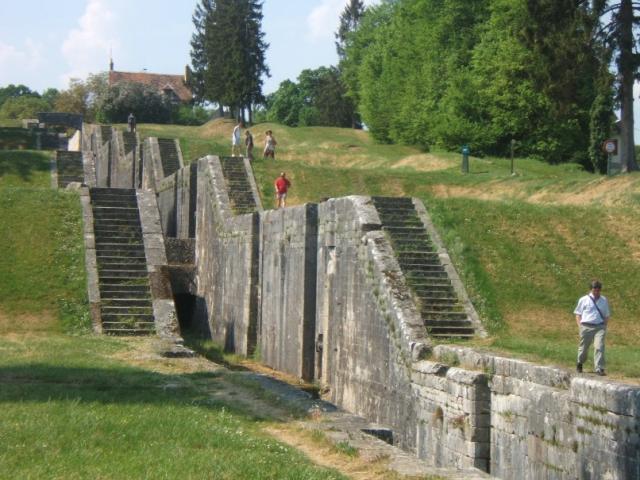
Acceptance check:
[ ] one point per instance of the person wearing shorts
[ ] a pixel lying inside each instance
(282, 185)
(269, 145)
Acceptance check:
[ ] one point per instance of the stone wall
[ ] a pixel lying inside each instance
(317, 288)
(226, 262)
(177, 199)
(547, 423)
(288, 245)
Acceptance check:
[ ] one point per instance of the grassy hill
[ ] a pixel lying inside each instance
(525, 245)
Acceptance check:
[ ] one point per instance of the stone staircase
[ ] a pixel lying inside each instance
(126, 305)
(69, 167)
(443, 314)
(238, 185)
(169, 156)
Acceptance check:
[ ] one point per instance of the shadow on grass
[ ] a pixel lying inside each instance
(40, 382)
(23, 164)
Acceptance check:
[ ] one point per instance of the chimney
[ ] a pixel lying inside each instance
(187, 75)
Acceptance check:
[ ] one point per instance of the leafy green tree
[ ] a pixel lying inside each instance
(25, 106)
(285, 104)
(12, 91)
(141, 100)
(84, 96)
(50, 95)
(317, 99)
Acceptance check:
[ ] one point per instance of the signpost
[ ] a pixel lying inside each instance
(610, 147)
(465, 159)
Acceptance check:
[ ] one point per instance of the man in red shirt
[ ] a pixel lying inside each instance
(282, 184)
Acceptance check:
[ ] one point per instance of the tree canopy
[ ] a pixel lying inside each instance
(228, 52)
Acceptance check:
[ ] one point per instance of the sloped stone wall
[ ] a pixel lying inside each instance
(226, 262)
(288, 289)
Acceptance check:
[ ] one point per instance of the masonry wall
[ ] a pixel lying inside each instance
(287, 279)
(226, 262)
(548, 423)
(361, 336)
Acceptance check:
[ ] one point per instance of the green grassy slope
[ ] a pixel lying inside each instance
(42, 272)
(526, 245)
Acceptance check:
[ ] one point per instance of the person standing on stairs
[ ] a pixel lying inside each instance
(131, 120)
(236, 138)
(248, 143)
(282, 185)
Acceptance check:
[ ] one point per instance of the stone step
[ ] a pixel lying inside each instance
(106, 273)
(109, 293)
(116, 204)
(447, 306)
(112, 191)
(124, 282)
(430, 315)
(122, 266)
(121, 243)
(127, 310)
(457, 324)
(119, 222)
(125, 329)
(109, 251)
(105, 259)
(428, 290)
(126, 302)
(109, 231)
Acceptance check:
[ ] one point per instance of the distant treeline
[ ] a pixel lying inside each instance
(483, 73)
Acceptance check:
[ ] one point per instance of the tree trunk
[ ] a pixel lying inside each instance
(250, 114)
(625, 69)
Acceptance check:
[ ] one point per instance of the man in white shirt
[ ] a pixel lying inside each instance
(235, 140)
(592, 316)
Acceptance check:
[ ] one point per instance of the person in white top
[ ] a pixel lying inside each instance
(592, 316)
(236, 138)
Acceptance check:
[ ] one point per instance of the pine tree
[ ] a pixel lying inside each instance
(349, 20)
(228, 53)
(198, 56)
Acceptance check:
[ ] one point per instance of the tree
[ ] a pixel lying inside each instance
(318, 99)
(349, 21)
(50, 95)
(24, 106)
(198, 55)
(143, 100)
(618, 33)
(12, 91)
(84, 96)
(228, 53)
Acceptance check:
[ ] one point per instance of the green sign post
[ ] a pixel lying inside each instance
(465, 159)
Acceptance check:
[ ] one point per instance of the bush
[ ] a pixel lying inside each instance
(23, 107)
(187, 115)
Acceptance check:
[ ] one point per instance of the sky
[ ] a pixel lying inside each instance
(44, 43)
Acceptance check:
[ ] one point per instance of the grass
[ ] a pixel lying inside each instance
(525, 245)
(42, 270)
(72, 410)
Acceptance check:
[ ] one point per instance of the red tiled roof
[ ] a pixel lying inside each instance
(156, 80)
